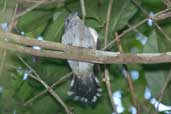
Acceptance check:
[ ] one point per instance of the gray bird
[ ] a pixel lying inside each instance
(84, 85)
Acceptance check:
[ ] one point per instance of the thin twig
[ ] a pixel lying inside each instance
(3, 57)
(164, 15)
(13, 19)
(4, 52)
(37, 4)
(63, 78)
(5, 41)
(109, 89)
(155, 22)
(28, 66)
(5, 6)
(46, 1)
(128, 77)
(166, 82)
(29, 9)
(123, 33)
(107, 21)
(162, 31)
(132, 28)
(50, 90)
(106, 71)
(82, 3)
(145, 12)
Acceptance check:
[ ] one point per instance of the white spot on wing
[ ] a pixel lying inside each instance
(98, 94)
(72, 82)
(94, 99)
(100, 90)
(97, 81)
(85, 100)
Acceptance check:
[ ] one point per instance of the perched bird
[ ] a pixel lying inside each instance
(84, 85)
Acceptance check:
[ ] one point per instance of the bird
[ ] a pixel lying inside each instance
(84, 85)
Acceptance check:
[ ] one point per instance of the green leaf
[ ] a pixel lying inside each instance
(25, 91)
(22, 87)
(46, 105)
(122, 12)
(156, 74)
(34, 22)
(151, 45)
(152, 3)
(55, 28)
(51, 70)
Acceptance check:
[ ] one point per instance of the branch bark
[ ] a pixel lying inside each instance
(77, 53)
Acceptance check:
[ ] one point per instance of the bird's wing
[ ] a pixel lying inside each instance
(95, 35)
(80, 36)
(86, 37)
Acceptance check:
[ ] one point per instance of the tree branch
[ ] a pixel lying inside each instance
(49, 89)
(63, 78)
(156, 17)
(106, 70)
(35, 5)
(128, 77)
(81, 54)
(82, 3)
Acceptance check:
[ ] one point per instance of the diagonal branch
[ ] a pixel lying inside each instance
(35, 5)
(46, 90)
(156, 17)
(159, 17)
(128, 77)
(49, 89)
(29, 9)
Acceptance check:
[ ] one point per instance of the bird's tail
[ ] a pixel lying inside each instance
(85, 89)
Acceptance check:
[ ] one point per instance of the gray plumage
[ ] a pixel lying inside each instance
(84, 85)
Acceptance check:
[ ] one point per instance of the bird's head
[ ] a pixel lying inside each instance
(72, 20)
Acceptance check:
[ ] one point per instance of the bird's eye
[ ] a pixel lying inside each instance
(67, 21)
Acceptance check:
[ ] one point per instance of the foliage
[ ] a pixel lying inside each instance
(48, 21)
